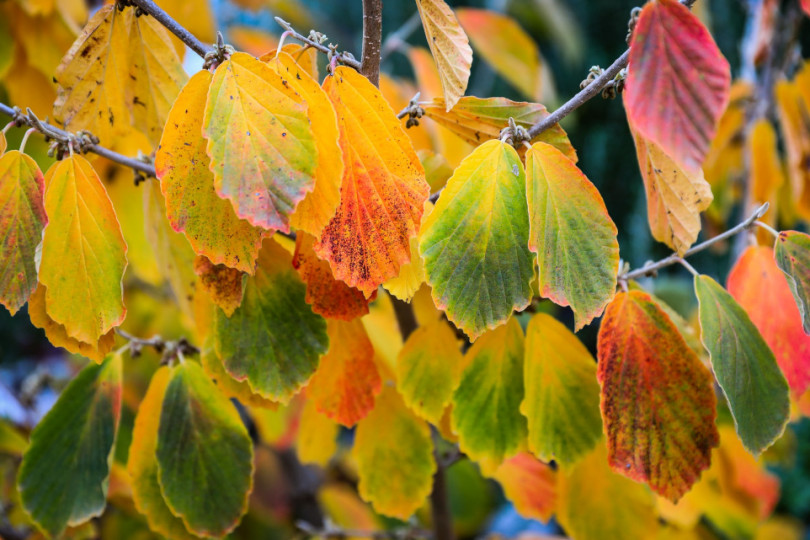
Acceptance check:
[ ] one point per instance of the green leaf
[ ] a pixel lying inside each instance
(793, 258)
(562, 393)
(475, 242)
(273, 340)
(64, 474)
(745, 367)
(204, 454)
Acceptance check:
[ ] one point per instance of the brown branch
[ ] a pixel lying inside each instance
(170, 350)
(372, 40)
(172, 26)
(439, 500)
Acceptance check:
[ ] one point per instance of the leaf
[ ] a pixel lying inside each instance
(412, 274)
(475, 242)
(263, 153)
(486, 405)
(793, 258)
(477, 120)
(805, 6)
(239, 390)
(3, 142)
(530, 484)
(273, 340)
(744, 366)
(596, 503)
(572, 234)
(64, 473)
(204, 454)
(223, 284)
(658, 403)
(347, 380)
(503, 43)
(762, 290)
(766, 168)
(675, 196)
(12, 442)
(328, 296)
(319, 206)
(83, 252)
(387, 438)
(677, 83)
(192, 204)
(316, 441)
(142, 467)
(428, 370)
(22, 218)
(383, 187)
(795, 131)
(449, 45)
(561, 399)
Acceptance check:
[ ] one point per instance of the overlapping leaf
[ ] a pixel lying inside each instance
(793, 258)
(192, 204)
(411, 275)
(383, 189)
(204, 454)
(69, 486)
(316, 441)
(263, 153)
(475, 242)
(763, 291)
(273, 340)
(22, 218)
(677, 84)
(572, 234)
(389, 437)
(223, 284)
(83, 252)
(347, 380)
(561, 399)
(744, 366)
(229, 386)
(450, 47)
(658, 403)
(530, 484)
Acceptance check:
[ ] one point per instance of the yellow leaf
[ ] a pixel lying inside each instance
(766, 171)
(196, 17)
(412, 274)
(305, 58)
(795, 129)
(316, 441)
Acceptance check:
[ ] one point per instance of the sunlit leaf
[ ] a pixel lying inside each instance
(475, 242)
(317, 436)
(22, 218)
(793, 258)
(204, 454)
(263, 153)
(658, 403)
(383, 187)
(572, 234)
(69, 486)
(192, 204)
(389, 437)
(223, 284)
(677, 83)
(83, 252)
(530, 484)
(744, 366)
(273, 340)
(449, 45)
(562, 394)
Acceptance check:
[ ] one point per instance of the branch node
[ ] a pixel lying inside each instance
(514, 134)
(631, 24)
(413, 111)
(221, 52)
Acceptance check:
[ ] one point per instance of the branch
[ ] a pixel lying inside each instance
(439, 500)
(396, 39)
(172, 26)
(651, 268)
(169, 349)
(343, 58)
(372, 40)
(334, 532)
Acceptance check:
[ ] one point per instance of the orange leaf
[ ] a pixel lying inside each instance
(530, 484)
(678, 82)
(383, 188)
(658, 402)
(223, 284)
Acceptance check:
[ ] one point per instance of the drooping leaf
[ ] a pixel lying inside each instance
(675, 196)
(229, 386)
(328, 296)
(477, 120)
(475, 242)
(387, 439)
(572, 234)
(22, 218)
(273, 340)
(64, 473)
(793, 258)
(658, 403)
(142, 467)
(347, 380)
(223, 284)
(192, 204)
(744, 366)
(503, 43)
(486, 405)
(83, 252)
(204, 454)
(316, 441)
(428, 370)
(412, 274)
(263, 153)
(795, 135)
(677, 84)
(763, 292)
(450, 47)
(530, 484)
(562, 394)
(383, 187)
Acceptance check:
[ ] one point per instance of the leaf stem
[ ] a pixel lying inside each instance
(343, 58)
(768, 228)
(173, 26)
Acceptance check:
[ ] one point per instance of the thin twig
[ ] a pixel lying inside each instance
(343, 58)
(372, 40)
(170, 350)
(439, 500)
(396, 39)
(173, 26)
(333, 532)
